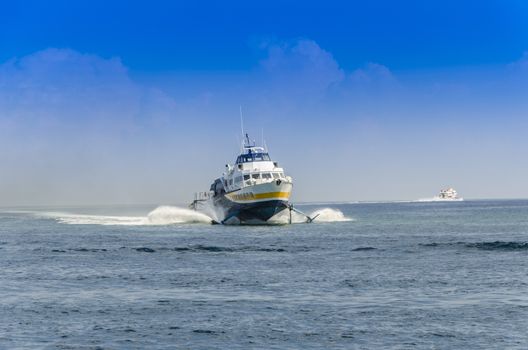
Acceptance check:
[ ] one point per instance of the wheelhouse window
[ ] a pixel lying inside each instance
(246, 177)
(255, 176)
(266, 176)
(253, 157)
(276, 175)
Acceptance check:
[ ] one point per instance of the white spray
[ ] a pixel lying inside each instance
(170, 215)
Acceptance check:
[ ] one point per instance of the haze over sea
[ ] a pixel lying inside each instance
(381, 275)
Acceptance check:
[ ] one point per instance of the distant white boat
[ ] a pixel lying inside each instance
(445, 195)
(448, 194)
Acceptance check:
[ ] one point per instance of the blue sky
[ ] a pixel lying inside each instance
(214, 35)
(124, 102)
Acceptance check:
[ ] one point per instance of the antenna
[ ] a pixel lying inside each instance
(241, 129)
(241, 122)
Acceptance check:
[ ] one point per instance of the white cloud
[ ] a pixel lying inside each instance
(521, 64)
(63, 86)
(301, 67)
(75, 127)
(372, 73)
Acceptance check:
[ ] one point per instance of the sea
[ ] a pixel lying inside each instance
(407, 275)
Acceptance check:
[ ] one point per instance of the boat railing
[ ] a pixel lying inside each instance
(261, 180)
(200, 198)
(203, 196)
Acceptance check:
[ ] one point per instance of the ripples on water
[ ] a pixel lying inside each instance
(400, 275)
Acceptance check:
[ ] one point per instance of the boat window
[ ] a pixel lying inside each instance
(266, 176)
(276, 175)
(253, 157)
(255, 176)
(246, 177)
(230, 182)
(261, 157)
(238, 179)
(281, 175)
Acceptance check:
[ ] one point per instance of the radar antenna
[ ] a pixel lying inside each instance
(241, 122)
(242, 129)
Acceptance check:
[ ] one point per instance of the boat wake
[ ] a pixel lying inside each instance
(171, 215)
(438, 199)
(329, 215)
(163, 215)
(319, 215)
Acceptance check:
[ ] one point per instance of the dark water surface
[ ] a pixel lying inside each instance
(401, 275)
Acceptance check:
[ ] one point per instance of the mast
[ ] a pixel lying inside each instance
(242, 129)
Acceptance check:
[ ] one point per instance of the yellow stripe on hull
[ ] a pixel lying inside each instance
(250, 196)
(272, 195)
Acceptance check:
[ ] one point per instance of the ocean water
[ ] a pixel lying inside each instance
(366, 276)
